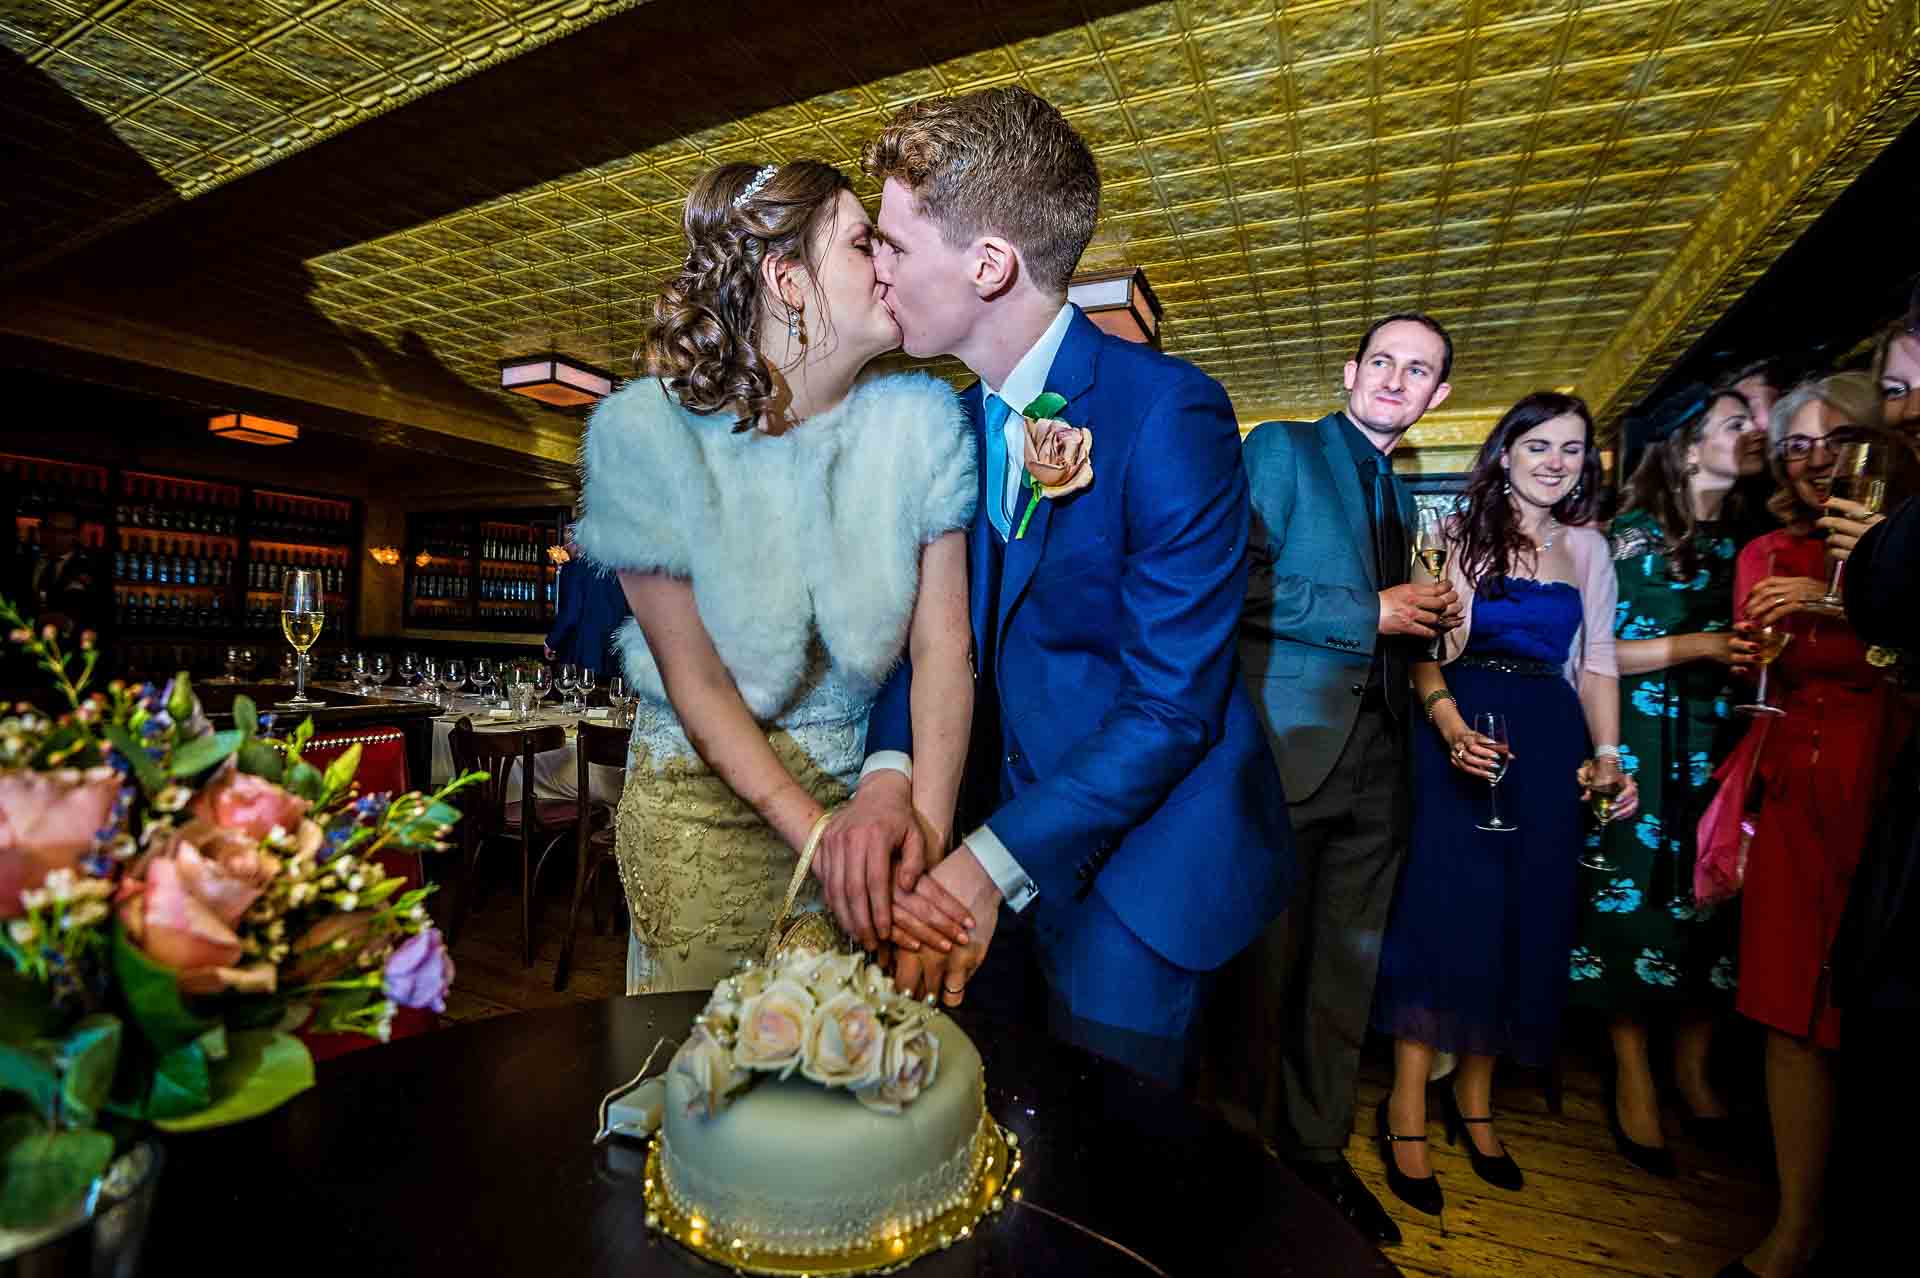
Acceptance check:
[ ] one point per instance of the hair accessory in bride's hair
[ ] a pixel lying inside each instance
(760, 179)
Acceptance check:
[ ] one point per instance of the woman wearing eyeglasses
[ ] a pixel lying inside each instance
(1818, 776)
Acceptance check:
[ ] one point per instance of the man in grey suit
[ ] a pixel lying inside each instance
(1330, 625)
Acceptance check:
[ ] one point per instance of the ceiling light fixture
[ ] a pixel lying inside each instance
(555, 380)
(248, 429)
(1120, 302)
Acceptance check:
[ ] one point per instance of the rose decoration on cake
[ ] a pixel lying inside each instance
(835, 1018)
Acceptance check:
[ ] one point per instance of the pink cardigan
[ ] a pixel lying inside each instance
(1592, 648)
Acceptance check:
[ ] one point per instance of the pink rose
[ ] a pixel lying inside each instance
(48, 821)
(189, 896)
(1059, 456)
(241, 801)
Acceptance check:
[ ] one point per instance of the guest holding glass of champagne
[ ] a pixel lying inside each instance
(1643, 950)
(1474, 959)
(1819, 773)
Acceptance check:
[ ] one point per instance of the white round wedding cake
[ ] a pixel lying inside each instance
(815, 1121)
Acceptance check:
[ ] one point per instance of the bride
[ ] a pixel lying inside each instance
(784, 537)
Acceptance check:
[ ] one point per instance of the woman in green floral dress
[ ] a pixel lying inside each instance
(1643, 950)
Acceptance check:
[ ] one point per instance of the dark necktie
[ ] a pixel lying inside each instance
(1390, 557)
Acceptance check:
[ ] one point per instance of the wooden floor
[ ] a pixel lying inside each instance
(1584, 1210)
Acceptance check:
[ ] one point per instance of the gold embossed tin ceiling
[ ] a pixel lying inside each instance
(1572, 187)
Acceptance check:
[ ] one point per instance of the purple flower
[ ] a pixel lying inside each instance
(420, 972)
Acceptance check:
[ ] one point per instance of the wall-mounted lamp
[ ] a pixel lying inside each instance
(388, 555)
(558, 554)
(422, 559)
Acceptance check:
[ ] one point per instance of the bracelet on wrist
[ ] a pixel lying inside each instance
(1434, 699)
(1607, 752)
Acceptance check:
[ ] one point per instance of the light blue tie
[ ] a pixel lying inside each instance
(996, 411)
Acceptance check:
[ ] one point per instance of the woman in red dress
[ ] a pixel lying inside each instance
(1818, 776)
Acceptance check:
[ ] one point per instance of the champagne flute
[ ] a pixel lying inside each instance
(1771, 641)
(1430, 543)
(301, 616)
(1859, 475)
(1494, 728)
(1604, 793)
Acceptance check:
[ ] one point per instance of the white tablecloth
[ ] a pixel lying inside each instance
(555, 772)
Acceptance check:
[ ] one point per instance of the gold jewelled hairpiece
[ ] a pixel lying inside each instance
(760, 179)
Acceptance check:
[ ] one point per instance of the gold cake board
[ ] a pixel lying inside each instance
(880, 1256)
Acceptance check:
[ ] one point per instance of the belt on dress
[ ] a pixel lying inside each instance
(1522, 666)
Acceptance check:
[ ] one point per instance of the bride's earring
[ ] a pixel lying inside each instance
(798, 319)
(793, 324)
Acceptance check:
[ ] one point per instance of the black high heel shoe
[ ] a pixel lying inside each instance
(1653, 1160)
(1422, 1193)
(1501, 1172)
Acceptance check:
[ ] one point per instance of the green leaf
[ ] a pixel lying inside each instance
(340, 772)
(263, 1012)
(304, 780)
(259, 759)
(152, 779)
(43, 1172)
(201, 753)
(87, 1060)
(29, 1072)
(153, 996)
(246, 716)
(182, 1084)
(214, 1042)
(264, 1070)
(26, 1009)
(1045, 406)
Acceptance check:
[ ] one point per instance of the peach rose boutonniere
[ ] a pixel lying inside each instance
(1059, 457)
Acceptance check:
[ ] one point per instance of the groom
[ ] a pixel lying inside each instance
(1132, 809)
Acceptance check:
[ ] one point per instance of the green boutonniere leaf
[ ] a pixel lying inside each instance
(1045, 406)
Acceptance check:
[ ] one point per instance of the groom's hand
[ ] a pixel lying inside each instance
(856, 871)
(961, 878)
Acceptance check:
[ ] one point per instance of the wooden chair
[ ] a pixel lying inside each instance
(488, 813)
(599, 745)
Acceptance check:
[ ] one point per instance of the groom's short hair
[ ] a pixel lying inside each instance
(999, 162)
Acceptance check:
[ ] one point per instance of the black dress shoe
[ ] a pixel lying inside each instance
(1653, 1160)
(1501, 1172)
(1422, 1193)
(1336, 1183)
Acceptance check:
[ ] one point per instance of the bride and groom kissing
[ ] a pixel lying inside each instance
(955, 653)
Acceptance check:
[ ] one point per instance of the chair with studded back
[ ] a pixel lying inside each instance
(598, 746)
(491, 812)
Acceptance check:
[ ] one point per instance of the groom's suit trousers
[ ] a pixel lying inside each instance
(1351, 838)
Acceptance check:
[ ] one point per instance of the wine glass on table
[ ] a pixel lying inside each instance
(1494, 728)
(379, 668)
(453, 677)
(620, 697)
(1604, 793)
(301, 617)
(409, 669)
(1859, 475)
(541, 679)
(483, 675)
(584, 682)
(1770, 642)
(565, 680)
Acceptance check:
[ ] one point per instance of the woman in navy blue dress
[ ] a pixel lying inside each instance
(1475, 956)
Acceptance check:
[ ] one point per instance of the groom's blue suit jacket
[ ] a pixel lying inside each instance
(1131, 762)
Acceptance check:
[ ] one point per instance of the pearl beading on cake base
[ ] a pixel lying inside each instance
(993, 1159)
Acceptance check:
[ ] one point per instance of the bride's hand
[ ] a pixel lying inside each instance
(855, 867)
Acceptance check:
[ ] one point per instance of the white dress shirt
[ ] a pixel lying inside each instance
(1025, 383)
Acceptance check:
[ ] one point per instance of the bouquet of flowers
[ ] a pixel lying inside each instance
(173, 901)
(836, 1018)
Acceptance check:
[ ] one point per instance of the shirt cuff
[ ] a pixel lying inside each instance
(1016, 888)
(887, 761)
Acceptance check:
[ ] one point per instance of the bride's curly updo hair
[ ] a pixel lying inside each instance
(701, 343)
